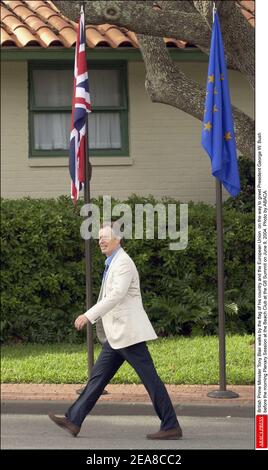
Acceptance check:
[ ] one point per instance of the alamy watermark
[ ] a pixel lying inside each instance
(166, 221)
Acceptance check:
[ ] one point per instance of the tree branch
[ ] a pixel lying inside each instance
(188, 21)
(239, 41)
(142, 18)
(236, 32)
(166, 83)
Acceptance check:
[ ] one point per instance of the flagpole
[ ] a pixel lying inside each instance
(220, 256)
(88, 252)
(88, 256)
(222, 392)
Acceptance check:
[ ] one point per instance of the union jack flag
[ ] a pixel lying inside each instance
(80, 107)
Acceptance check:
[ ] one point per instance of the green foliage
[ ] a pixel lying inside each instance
(245, 201)
(43, 272)
(178, 360)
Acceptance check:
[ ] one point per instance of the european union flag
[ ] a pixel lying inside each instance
(218, 137)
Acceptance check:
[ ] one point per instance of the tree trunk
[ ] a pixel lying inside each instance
(166, 83)
(190, 21)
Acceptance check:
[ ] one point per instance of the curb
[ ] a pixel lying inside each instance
(34, 407)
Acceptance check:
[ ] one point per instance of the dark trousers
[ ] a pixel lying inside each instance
(106, 367)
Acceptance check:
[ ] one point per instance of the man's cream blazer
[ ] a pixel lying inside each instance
(119, 305)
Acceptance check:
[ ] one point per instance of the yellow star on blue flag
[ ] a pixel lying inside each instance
(218, 137)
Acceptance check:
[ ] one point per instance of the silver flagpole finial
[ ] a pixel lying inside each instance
(214, 10)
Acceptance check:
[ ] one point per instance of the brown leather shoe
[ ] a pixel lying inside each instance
(64, 423)
(170, 434)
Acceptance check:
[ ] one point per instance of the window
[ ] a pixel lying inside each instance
(51, 89)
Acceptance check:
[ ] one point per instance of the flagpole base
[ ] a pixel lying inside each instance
(222, 394)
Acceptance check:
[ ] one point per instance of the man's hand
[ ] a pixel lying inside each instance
(80, 322)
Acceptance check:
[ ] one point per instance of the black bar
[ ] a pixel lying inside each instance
(136, 457)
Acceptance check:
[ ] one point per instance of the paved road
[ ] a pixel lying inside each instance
(39, 407)
(25, 431)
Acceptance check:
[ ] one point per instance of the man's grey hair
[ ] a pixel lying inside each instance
(115, 228)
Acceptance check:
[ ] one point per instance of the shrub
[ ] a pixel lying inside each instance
(43, 272)
(245, 201)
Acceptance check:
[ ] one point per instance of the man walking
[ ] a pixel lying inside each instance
(123, 327)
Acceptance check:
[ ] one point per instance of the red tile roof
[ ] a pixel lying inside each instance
(248, 10)
(39, 23)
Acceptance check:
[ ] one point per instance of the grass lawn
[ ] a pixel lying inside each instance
(178, 361)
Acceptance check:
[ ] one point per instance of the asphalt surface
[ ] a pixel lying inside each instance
(37, 431)
(120, 421)
(35, 407)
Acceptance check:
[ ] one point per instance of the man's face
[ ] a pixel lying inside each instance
(107, 241)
